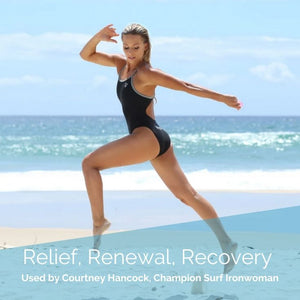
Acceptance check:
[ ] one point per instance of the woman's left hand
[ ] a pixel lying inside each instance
(232, 101)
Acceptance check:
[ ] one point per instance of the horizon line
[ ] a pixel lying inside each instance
(120, 115)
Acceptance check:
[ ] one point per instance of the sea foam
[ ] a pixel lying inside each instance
(257, 180)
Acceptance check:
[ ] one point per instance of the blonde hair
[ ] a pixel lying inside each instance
(140, 30)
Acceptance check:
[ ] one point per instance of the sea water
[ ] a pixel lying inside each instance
(235, 153)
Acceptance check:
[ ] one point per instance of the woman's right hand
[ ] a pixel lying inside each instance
(232, 101)
(107, 33)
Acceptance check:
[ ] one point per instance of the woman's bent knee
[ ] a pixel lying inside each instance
(181, 196)
(84, 164)
(87, 163)
(186, 196)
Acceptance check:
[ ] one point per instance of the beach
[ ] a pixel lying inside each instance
(37, 217)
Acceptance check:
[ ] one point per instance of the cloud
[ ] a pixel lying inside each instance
(31, 79)
(251, 47)
(99, 80)
(55, 45)
(24, 46)
(26, 80)
(209, 80)
(273, 72)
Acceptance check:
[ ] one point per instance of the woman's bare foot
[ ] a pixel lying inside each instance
(98, 231)
(229, 248)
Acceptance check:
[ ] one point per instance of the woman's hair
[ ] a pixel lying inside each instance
(140, 30)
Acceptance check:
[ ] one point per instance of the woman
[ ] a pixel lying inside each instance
(146, 140)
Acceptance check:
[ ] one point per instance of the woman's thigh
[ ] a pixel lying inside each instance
(138, 147)
(171, 173)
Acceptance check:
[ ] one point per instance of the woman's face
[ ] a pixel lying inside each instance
(134, 47)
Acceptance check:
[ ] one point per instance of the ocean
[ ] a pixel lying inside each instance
(39, 153)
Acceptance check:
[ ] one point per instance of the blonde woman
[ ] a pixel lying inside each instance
(146, 140)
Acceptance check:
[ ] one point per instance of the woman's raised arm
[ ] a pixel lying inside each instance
(89, 53)
(159, 78)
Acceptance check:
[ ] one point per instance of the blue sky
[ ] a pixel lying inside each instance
(249, 48)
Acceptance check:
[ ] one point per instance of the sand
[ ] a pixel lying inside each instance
(16, 237)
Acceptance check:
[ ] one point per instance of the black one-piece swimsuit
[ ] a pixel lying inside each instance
(134, 106)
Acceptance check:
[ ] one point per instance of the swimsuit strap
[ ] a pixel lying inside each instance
(120, 73)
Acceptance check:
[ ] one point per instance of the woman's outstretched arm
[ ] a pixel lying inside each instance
(159, 78)
(89, 53)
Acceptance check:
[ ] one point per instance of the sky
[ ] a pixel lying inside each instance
(246, 48)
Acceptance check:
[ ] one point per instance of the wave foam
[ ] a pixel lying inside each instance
(276, 180)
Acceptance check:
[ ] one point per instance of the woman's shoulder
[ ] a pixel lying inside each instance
(147, 71)
(153, 76)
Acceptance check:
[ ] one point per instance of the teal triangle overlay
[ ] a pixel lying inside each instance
(277, 220)
(274, 232)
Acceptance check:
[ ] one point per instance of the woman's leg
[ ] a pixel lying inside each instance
(170, 172)
(138, 147)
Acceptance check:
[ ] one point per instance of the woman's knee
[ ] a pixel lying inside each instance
(85, 165)
(88, 163)
(182, 198)
(186, 195)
